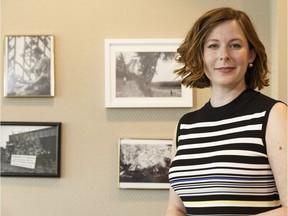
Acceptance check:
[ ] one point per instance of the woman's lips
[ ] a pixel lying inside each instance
(225, 69)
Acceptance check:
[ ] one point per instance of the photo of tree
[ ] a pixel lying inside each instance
(140, 73)
(143, 163)
(146, 74)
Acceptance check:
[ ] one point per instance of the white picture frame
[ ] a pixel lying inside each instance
(132, 81)
(144, 163)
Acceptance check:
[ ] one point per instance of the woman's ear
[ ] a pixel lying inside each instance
(252, 55)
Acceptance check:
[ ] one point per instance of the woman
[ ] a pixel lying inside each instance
(221, 165)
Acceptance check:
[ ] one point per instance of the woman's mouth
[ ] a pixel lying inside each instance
(225, 69)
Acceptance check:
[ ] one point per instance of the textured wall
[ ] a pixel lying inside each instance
(90, 132)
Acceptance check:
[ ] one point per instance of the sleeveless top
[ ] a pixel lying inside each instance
(221, 165)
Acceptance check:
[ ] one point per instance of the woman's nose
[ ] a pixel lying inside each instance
(225, 58)
(224, 55)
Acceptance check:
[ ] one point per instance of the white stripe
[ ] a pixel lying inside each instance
(217, 171)
(226, 203)
(249, 140)
(219, 164)
(222, 122)
(202, 191)
(222, 132)
(236, 184)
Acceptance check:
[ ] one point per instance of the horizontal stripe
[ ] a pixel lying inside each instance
(226, 184)
(227, 178)
(219, 153)
(256, 127)
(244, 140)
(236, 203)
(224, 190)
(223, 122)
(220, 164)
(217, 171)
(220, 193)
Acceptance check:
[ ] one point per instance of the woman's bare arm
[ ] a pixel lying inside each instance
(276, 141)
(175, 205)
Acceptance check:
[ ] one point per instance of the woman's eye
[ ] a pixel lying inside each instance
(235, 46)
(213, 46)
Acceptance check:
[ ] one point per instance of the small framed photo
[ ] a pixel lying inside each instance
(30, 149)
(144, 163)
(139, 73)
(29, 66)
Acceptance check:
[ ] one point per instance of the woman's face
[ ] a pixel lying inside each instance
(227, 55)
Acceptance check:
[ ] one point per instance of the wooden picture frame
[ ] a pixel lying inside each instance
(29, 66)
(144, 163)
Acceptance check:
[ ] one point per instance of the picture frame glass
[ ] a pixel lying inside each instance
(144, 163)
(29, 66)
(30, 149)
(139, 73)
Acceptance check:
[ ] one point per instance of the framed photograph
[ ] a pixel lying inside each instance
(29, 66)
(144, 163)
(30, 149)
(139, 73)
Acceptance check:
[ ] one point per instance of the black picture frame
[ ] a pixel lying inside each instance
(30, 149)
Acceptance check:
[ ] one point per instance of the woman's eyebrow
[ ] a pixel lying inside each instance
(217, 40)
(236, 39)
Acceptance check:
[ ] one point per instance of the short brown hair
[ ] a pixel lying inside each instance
(190, 52)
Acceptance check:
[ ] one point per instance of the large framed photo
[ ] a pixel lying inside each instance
(29, 66)
(144, 163)
(30, 149)
(139, 73)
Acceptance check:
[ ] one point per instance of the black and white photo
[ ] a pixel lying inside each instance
(30, 149)
(144, 163)
(29, 66)
(139, 73)
(146, 74)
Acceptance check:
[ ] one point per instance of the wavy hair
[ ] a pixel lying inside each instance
(190, 52)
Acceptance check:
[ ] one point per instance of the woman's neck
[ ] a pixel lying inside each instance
(223, 96)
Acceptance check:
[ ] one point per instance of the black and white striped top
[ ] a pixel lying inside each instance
(221, 165)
